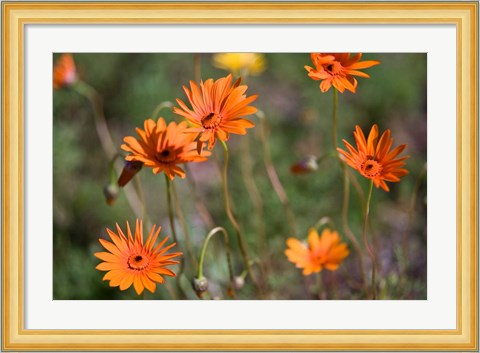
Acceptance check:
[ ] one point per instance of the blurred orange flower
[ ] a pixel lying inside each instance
(163, 147)
(64, 72)
(325, 251)
(131, 261)
(217, 109)
(373, 158)
(338, 69)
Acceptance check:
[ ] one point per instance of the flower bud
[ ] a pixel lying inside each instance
(111, 193)
(238, 282)
(129, 170)
(305, 165)
(200, 285)
(64, 72)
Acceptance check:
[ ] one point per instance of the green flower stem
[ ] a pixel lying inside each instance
(241, 240)
(273, 175)
(323, 221)
(253, 193)
(139, 188)
(105, 138)
(227, 250)
(100, 122)
(367, 246)
(174, 235)
(346, 193)
(159, 108)
(111, 168)
(183, 222)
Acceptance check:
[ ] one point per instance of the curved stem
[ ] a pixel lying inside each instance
(273, 175)
(241, 241)
(159, 108)
(227, 248)
(100, 122)
(141, 196)
(367, 246)
(105, 138)
(111, 168)
(323, 221)
(174, 235)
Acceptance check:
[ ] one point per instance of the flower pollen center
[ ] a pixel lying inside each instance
(371, 168)
(137, 262)
(334, 68)
(166, 156)
(211, 121)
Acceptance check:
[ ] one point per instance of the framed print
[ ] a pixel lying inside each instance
(239, 176)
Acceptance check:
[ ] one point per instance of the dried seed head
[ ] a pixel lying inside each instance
(111, 193)
(200, 285)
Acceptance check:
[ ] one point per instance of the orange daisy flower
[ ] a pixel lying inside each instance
(131, 261)
(325, 251)
(64, 72)
(217, 109)
(373, 158)
(338, 69)
(163, 147)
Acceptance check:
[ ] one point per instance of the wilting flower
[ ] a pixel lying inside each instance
(305, 165)
(238, 63)
(129, 260)
(163, 147)
(64, 72)
(130, 169)
(373, 157)
(217, 109)
(325, 251)
(338, 69)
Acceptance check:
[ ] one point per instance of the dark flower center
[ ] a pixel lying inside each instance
(166, 156)
(334, 68)
(211, 121)
(137, 262)
(371, 168)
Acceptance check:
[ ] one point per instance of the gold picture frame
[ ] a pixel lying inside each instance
(15, 15)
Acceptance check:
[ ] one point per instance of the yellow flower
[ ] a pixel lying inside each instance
(240, 64)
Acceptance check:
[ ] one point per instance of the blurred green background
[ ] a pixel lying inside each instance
(299, 117)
